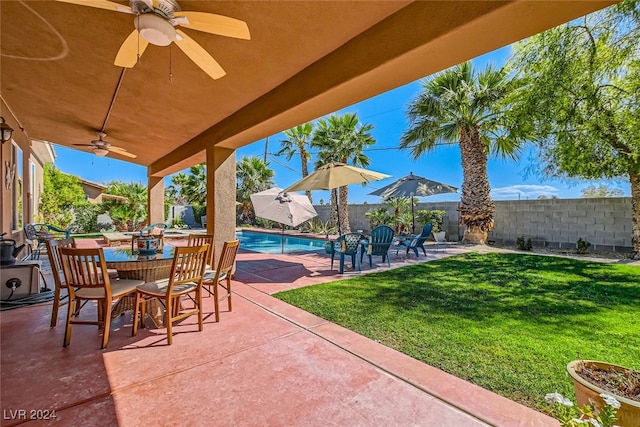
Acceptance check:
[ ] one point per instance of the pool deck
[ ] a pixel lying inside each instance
(266, 363)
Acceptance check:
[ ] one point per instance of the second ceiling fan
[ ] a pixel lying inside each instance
(156, 21)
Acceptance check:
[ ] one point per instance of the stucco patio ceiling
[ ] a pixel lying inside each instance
(304, 60)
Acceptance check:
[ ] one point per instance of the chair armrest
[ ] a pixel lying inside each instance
(46, 234)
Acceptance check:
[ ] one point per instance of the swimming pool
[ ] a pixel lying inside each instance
(272, 243)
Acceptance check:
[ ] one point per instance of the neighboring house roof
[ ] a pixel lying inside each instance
(92, 184)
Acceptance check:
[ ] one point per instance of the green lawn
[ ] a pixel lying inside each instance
(507, 322)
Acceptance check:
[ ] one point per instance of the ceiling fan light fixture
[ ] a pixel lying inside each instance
(154, 29)
(100, 151)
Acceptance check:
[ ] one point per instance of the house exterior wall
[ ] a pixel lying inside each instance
(557, 223)
(94, 195)
(34, 155)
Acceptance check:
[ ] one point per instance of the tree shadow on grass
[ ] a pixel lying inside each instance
(481, 286)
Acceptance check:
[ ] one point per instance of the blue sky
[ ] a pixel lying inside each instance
(386, 112)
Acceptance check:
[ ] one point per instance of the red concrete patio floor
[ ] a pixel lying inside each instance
(266, 363)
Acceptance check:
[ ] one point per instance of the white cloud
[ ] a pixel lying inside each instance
(523, 192)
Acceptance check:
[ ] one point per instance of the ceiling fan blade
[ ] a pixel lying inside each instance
(200, 56)
(123, 153)
(133, 46)
(84, 145)
(100, 4)
(114, 148)
(215, 24)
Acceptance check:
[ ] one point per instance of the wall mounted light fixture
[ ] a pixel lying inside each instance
(5, 131)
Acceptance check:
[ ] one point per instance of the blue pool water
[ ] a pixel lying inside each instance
(272, 243)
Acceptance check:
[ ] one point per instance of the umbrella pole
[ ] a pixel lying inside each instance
(413, 219)
(338, 211)
(282, 238)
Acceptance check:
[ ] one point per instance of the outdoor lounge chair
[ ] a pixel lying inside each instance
(379, 243)
(417, 241)
(347, 244)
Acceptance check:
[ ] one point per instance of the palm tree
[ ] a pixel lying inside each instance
(195, 189)
(298, 139)
(342, 139)
(253, 175)
(192, 188)
(461, 106)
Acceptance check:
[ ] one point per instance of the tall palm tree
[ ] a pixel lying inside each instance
(342, 139)
(195, 188)
(253, 175)
(459, 105)
(192, 188)
(297, 142)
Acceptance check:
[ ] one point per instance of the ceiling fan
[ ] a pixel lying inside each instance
(102, 148)
(155, 23)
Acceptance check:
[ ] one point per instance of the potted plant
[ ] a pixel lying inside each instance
(593, 379)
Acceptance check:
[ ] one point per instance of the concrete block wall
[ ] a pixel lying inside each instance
(559, 223)
(556, 223)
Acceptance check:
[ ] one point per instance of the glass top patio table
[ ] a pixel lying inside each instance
(133, 265)
(126, 254)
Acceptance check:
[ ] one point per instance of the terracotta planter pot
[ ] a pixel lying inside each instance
(629, 412)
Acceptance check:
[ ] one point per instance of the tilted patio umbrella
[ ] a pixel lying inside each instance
(334, 175)
(413, 186)
(286, 208)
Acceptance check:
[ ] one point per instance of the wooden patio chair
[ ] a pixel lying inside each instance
(87, 279)
(186, 276)
(205, 239)
(53, 252)
(222, 274)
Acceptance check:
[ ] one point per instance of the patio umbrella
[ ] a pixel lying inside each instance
(286, 208)
(413, 186)
(334, 175)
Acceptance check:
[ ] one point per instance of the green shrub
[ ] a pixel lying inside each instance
(86, 217)
(377, 216)
(524, 245)
(178, 222)
(266, 223)
(316, 226)
(433, 216)
(582, 246)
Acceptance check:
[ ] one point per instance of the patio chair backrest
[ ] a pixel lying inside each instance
(380, 241)
(204, 239)
(30, 232)
(426, 230)
(419, 240)
(348, 243)
(188, 266)
(86, 268)
(53, 250)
